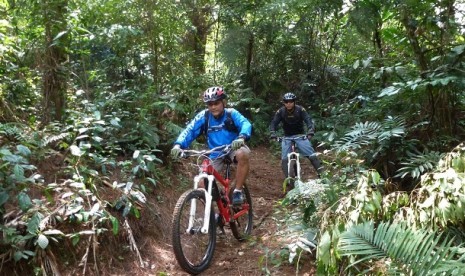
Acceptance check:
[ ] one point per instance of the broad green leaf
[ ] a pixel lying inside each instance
(29, 253)
(135, 169)
(34, 222)
(80, 137)
(151, 180)
(18, 172)
(139, 196)
(5, 152)
(389, 91)
(75, 150)
(95, 209)
(19, 255)
(324, 246)
(367, 62)
(24, 201)
(136, 212)
(115, 122)
(115, 224)
(97, 115)
(53, 232)
(12, 158)
(78, 217)
(42, 241)
(23, 150)
(59, 35)
(127, 209)
(97, 139)
(459, 49)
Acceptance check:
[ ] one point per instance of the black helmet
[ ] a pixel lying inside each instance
(289, 97)
(214, 93)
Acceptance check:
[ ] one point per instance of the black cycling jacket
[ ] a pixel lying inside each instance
(293, 121)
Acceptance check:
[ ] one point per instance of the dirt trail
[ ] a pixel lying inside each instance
(231, 257)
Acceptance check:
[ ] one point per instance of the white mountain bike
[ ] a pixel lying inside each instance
(293, 162)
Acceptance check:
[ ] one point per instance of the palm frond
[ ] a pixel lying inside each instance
(360, 135)
(418, 163)
(413, 252)
(369, 133)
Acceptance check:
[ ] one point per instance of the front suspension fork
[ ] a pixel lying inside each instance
(208, 203)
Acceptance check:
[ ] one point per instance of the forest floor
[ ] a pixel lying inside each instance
(232, 257)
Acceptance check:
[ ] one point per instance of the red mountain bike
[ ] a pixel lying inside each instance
(194, 218)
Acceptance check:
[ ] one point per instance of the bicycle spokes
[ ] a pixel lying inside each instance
(193, 248)
(241, 222)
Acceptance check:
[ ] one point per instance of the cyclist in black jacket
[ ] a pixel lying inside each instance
(293, 118)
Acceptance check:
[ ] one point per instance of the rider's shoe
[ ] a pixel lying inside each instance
(237, 198)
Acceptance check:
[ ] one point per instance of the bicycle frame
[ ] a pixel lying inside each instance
(207, 171)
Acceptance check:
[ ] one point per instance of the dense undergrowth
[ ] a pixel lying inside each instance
(92, 94)
(366, 225)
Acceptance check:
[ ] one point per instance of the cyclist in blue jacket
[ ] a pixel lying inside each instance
(223, 126)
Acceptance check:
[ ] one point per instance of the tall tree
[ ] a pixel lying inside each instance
(55, 57)
(202, 16)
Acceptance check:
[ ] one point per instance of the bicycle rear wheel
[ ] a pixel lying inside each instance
(241, 227)
(193, 250)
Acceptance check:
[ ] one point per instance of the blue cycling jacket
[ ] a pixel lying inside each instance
(217, 135)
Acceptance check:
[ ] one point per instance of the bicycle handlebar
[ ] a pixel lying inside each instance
(293, 138)
(221, 149)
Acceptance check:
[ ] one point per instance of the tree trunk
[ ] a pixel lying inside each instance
(202, 21)
(55, 57)
(250, 47)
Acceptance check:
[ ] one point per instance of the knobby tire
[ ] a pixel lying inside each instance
(193, 251)
(292, 175)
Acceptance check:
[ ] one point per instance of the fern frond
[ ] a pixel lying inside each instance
(414, 252)
(418, 163)
(48, 140)
(13, 131)
(361, 134)
(368, 133)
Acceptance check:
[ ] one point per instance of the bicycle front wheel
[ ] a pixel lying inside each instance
(293, 168)
(241, 227)
(292, 175)
(193, 249)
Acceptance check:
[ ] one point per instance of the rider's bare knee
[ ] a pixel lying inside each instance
(241, 156)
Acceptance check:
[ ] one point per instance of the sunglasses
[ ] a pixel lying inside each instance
(288, 101)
